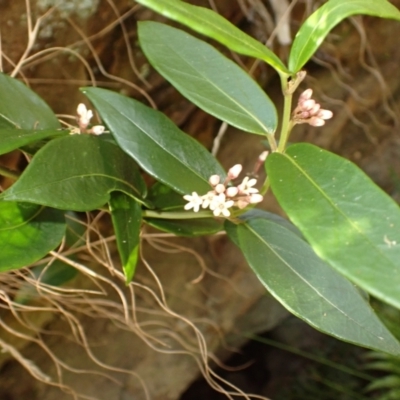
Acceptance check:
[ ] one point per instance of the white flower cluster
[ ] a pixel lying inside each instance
(223, 197)
(84, 117)
(308, 111)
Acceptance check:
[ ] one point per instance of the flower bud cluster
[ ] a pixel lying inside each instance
(308, 111)
(84, 117)
(222, 197)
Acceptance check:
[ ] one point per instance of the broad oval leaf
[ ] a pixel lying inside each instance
(77, 173)
(348, 220)
(126, 214)
(309, 288)
(153, 140)
(187, 227)
(21, 108)
(27, 233)
(11, 139)
(162, 197)
(316, 27)
(207, 78)
(57, 273)
(213, 25)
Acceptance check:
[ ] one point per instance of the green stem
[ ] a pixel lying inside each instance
(272, 142)
(265, 186)
(286, 122)
(8, 173)
(177, 214)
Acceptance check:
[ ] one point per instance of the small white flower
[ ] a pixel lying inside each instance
(221, 206)
(208, 198)
(85, 115)
(246, 187)
(81, 110)
(195, 201)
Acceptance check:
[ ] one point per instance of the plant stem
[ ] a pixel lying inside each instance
(265, 186)
(8, 173)
(286, 125)
(177, 214)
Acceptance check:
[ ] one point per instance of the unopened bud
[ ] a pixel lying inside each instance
(81, 110)
(325, 114)
(315, 109)
(242, 203)
(232, 191)
(97, 129)
(307, 105)
(316, 121)
(305, 115)
(263, 156)
(220, 188)
(234, 172)
(256, 198)
(214, 180)
(306, 95)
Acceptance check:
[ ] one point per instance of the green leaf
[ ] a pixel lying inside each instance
(316, 27)
(27, 233)
(207, 78)
(348, 220)
(162, 197)
(77, 173)
(57, 272)
(154, 141)
(23, 109)
(11, 139)
(187, 227)
(387, 382)
(211, 24)
(309, 288)
(257, 213)
(126, 214)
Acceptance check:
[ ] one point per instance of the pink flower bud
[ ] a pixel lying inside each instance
(220, 188)
(305, 115)
(307, 105)
(214, 180)
(234, 172)
(256, 198)
(306, 95)
(232, 191)
(81, 110)
(242, 203)
(263, 156)
(315, 109)
(97, 130)
(325, 114)
(316, 121)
